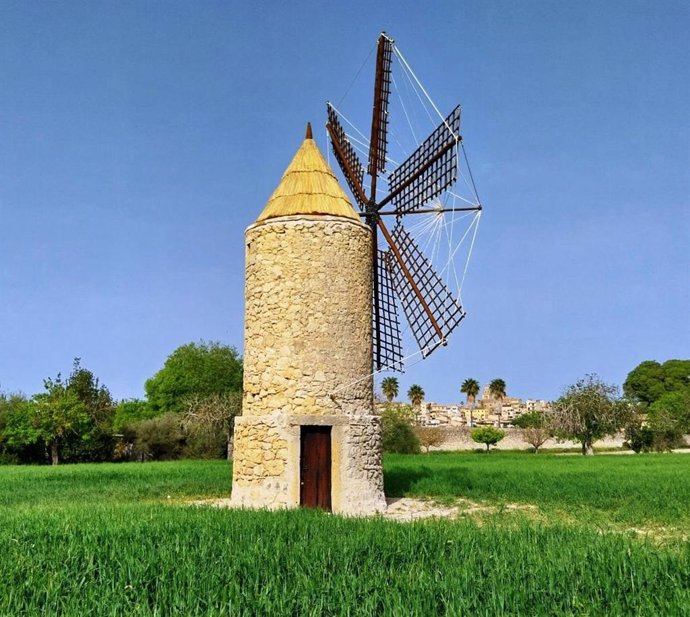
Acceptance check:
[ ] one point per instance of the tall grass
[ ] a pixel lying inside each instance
(106, 540)
(635, 490)
(150, 560)
(116, 483)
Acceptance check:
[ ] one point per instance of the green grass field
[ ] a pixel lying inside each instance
(651, 490)
(120, 540)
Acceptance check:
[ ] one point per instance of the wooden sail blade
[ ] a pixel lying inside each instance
(387, 339)
(429, 171)
(430, 308)
(347, 158)
(379, 121)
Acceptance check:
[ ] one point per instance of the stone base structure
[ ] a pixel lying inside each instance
(268, 475)
(308, 425)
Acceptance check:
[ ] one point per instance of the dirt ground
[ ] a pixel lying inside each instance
(407, 509)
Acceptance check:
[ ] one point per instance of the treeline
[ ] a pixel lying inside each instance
(188, 411)
(653, 412)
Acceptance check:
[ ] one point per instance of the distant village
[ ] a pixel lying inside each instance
(489, 410)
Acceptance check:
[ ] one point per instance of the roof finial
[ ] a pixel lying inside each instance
(308, 135)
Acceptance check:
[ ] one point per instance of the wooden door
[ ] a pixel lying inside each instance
(315, 467)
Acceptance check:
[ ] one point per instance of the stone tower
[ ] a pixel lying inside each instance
(308, 434)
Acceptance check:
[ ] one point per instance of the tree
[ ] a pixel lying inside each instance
(676, 375)
(72, 419)
(669, 419)
(130, 411)
(429, 436)
(645, 383)
(95, 440)
(200, 369)
(488, 435)
(213, 414)
(49, 418)
(587, 411)
(397, 434)
(416, 395)
(497, 388)
(95, 396)
(389, 386)
(470, 387)
(534, 429)
(15, 427)
(649, 380)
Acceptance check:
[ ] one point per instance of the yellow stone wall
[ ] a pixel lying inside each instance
(308, 360)
(264, 451)
(308, 316)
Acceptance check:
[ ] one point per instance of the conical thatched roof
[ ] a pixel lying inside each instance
(308, 186)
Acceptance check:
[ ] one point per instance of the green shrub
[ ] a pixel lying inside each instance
(397, 432)
(160, 438)
(205, 442)
(487, 435)
(639, 438)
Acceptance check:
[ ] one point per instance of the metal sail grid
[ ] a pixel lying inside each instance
(382, 90)
(346, 156)
(386, 329)
(402, 270)
(430, 170)
(446, 310)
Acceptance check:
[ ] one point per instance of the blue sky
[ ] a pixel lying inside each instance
(139, 139)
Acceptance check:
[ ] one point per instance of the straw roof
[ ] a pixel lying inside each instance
(308, 186)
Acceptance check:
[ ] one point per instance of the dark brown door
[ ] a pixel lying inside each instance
(315, 467)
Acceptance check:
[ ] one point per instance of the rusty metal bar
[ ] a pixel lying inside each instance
(425, 211)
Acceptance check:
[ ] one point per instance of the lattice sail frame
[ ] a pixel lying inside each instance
(430, 170)
(402, 270)
(346, 156)
(379, 122)
(387, 329)
(446, 310)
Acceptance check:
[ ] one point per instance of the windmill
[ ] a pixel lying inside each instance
(402, 272)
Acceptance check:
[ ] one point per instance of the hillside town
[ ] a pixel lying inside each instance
(489, 410)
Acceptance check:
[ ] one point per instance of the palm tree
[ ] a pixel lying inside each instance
(416, 395)
(497, 388)
(389, 387)
(470, 387)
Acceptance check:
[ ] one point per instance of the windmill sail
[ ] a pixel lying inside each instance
(379, 121)
(402, 273)
(347, 158)
(430, 170)
(431, 324)
(387, 339)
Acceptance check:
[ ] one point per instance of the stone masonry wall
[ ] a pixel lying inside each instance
(362, 477)
(307, 361)
(260, 462)
(308, 316)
